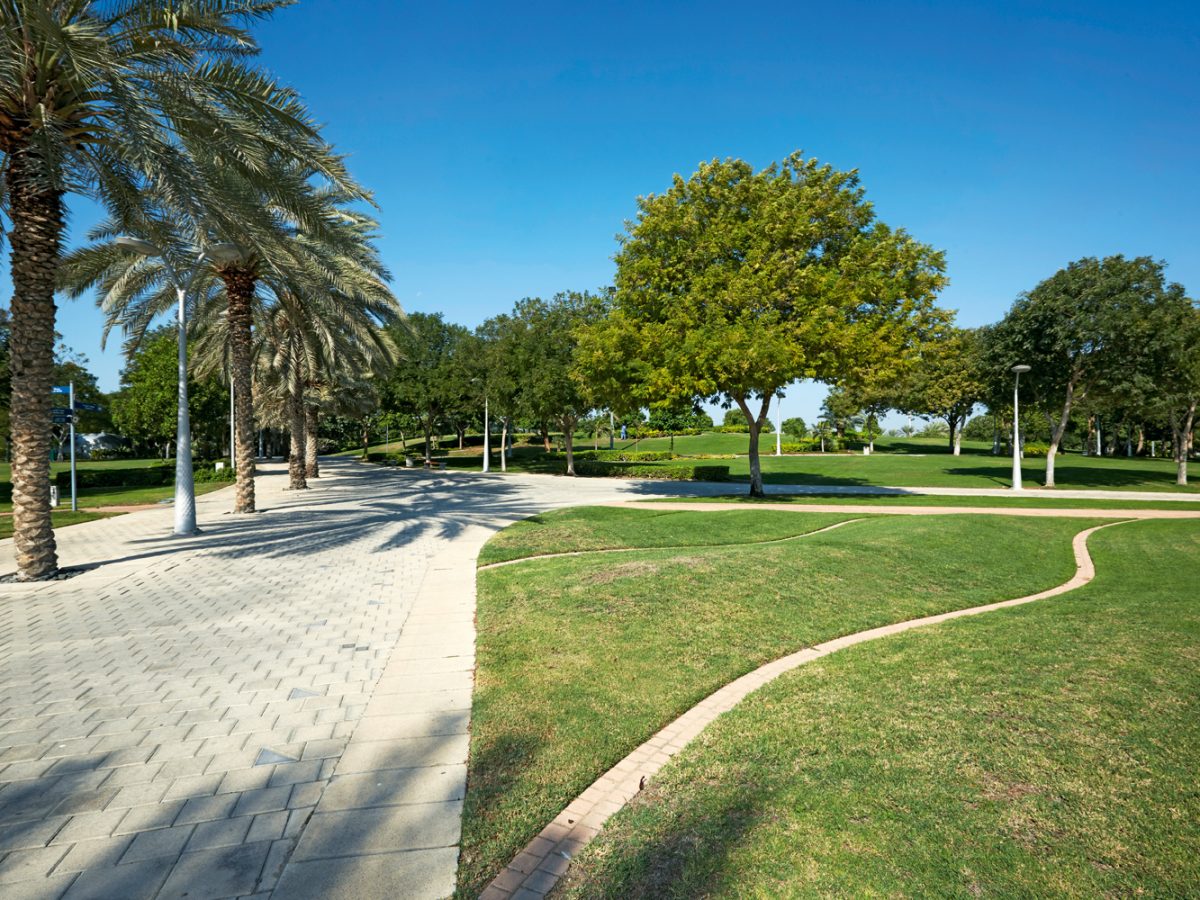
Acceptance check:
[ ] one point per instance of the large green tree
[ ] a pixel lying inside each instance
(946, 381)
(734, 283)
(431, 354)
(1173, 370)
(144, 408)
(1084, 332)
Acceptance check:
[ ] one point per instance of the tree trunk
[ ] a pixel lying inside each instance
(462, 435)
(568, 427)
(504, 444)
(1056, 434)
(366, 438)
(35, 241)
(1181, 430)
(756, 482)
(546, 437)
(239, 290)
(312, 422)
(428, 423)
(297, 432)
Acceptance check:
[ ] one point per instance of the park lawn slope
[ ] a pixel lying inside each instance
(585, 528)
(1045, 750)
(800, 500)
(60, 518)
(580, 659)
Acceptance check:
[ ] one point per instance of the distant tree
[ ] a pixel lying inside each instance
(842, 410)
(733, 417)
(71, 367)
(946, 382)
(795, 427)
(549, 392)
(1173, 366)
(1083, 331)
(427, 379)
(145, 409)
(734, 283)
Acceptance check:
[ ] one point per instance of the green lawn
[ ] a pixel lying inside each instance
(580, 659)
(127, 496)
(61, 519)
(1047, 750)
(938, 500)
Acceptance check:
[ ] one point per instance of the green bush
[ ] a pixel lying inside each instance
(204, 474)
(625, 455)
(734, 429)
(149, 476)
(1032, 449)
(597, 469)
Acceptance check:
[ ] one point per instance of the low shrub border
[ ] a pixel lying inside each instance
(588, 468)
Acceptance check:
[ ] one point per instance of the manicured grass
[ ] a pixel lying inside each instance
(1047, 750)
(80, 465)
(898, 463)
(128, 496)
(580, 659)
(607, 528)
(61, 520)
(938, 500)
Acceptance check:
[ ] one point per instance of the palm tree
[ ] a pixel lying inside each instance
(102, 98)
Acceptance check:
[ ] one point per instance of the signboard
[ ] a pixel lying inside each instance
(60, 411)
(61, 389)
(89, 407)
(61, 420)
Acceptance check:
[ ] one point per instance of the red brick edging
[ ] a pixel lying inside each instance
(537, 868)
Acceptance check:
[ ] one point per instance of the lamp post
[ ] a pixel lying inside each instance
(1018, 371)
(185, 488)
(487, 438)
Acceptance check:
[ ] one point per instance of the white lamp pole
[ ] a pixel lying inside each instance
(487, 435)
(1016, 472)
(185, 488)
(779, 430)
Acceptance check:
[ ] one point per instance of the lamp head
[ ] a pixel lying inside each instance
(1021, 369)
(137, 245)
(225, 253)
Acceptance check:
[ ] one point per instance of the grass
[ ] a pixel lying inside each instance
(92, 497)
(897, 463)
(851, 500)
(608, 528)
(582, 658)
(1048, 750)
(61, 518)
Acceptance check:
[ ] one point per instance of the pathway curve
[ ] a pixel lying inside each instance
(538, 868)
(277, 704)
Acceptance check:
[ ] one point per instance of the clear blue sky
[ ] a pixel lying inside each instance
(506, 142)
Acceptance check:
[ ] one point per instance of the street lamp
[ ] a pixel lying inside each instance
(185, 488)
(1018, 371)
(487, 430)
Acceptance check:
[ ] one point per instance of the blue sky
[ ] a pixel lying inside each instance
(506, 143)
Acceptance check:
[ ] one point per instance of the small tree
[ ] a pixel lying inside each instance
(1174, 367)
(734, 283)
(795, 427)
(946, 382)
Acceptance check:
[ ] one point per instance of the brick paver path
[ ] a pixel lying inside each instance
(278, 704)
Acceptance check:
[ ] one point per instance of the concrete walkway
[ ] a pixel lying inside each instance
(275, 707)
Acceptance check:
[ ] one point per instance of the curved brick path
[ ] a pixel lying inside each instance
(535, 871)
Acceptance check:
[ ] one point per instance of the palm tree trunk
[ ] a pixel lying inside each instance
(312, 466)
(37, 226)
(239, 289)
(296, 426)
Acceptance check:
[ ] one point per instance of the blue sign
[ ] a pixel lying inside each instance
(89, 407)
(61, 389)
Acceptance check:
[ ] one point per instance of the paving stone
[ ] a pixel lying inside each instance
(216, 873)
(388, 787)
(136, 881)
(150, 816)
(266, 800)
(268, 826)
(89, 825)
(94, 854)
(154, 844)
(204, 809)
(366, 756)
(220, 833)
(416, 875)
(379, 830)
(23, 865)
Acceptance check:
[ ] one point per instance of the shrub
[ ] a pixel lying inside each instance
(597, 469)
(1032, 449)
(734, 429)
(149, 476)
(202, 474)
(625, 455)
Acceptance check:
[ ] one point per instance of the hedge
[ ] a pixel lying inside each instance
(597, 469)
(625, 455)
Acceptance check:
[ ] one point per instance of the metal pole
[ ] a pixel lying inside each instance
(611, 426)
(1099, 446)
(1016, 448)
(185, 489)
(779, 430)
(487, 444)
(232, 419)
(74, 496)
